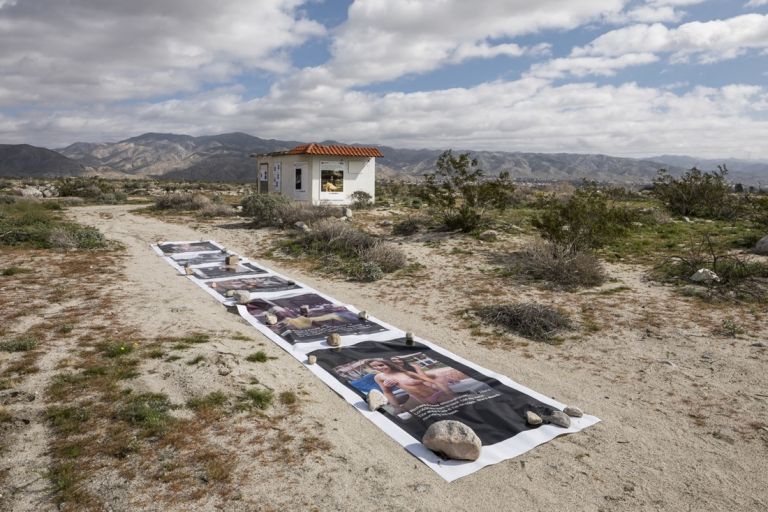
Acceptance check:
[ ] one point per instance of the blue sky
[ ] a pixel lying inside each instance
(621, 77)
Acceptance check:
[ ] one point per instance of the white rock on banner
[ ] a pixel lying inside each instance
(533, 419)
(376, 400)
(453, 439)
(559, 418)
(242, 296)
(573, 412)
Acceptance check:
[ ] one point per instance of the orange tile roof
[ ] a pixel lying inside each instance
(335, 150)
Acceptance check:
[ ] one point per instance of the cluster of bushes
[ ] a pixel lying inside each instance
(736, 277)
(188, 201)
(36, 224)
(277, 211)
(98, 190)
(341, 246)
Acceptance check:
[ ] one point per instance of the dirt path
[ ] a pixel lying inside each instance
(684, 413)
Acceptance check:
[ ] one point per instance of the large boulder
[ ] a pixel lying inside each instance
(762, 246)
(453, 439)
(31, 192)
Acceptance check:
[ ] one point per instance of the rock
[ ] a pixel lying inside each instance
(409, 338)
(762, 246)
(573, 412)
(270, 318)
(385, 223)
(232, 260)
(242, 296)
(31, 192)
(312, 359)
(453, 439)
(223, 370)
(706, 276)
(686, 219)
(362, 315)
(304, 309)
(302, 227)
(376, 400)
(533, 419)
(346, 212)
(489, 236)
(559, 418)
(334, 339)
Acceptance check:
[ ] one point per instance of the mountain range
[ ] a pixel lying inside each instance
(225, 157)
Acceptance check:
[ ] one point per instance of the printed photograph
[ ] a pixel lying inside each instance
(227, 271)
(309, 317)
(254, 285)
(423, 386)
(201, 259)
(176, 248)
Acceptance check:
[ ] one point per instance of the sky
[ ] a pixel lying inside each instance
(620, 77)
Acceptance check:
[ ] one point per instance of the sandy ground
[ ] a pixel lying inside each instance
(685, 412)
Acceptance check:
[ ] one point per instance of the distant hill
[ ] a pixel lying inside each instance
(225, 157)
(23, 160)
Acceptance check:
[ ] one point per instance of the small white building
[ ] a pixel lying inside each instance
(319, 174)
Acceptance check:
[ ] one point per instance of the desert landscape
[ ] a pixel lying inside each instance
(138, 391)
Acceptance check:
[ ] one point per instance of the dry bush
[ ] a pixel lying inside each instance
(292, 212)
(545, 261)
(528, 319)
(182, 201)
(409, 226)
(387, 256)
(217, 210)
(339, 236)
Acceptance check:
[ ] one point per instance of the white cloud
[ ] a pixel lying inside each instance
(529, 114)
(756, 3)
(386, 39)
(53, 51)
(710, 40)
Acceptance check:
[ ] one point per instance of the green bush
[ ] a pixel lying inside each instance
(148, 411)
(585, 220)
(361, 200)
(697, 194)
(406, 227)
(461, 195)
(277, 211)
(36, 224)
(367, 272)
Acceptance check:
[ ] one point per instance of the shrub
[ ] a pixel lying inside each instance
(737, 277)
(460, 194)
(183, 201)
(22, 344)
(148, 411)
(117, 349)
(210, 401)
(73, 236)
(339, 237)
(217, 210)
(696, 193)
(584, 221)
(529, 319)
(387, 256)
(548, 262)
(361, 200)
(259, 398)
(257, 357)
(406, 227)
(367, 272)
(277, 211)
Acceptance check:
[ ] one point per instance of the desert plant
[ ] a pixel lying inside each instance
(361, 200)
(183, 201)
(366, 271)
(387, 256)
(528, 319)
(736, 276)
(406, 227)
(257, 357)
(585, 220)
(696, 193)
(148, 411)
(545, 261)
(277, 211)
(22, 344)
(259, 398)
(460, 194)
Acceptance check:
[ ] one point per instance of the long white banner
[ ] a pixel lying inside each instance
(422, 382)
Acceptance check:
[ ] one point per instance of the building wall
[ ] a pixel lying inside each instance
(359, 174)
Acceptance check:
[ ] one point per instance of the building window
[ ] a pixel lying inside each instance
(332, 180)
(298, 178)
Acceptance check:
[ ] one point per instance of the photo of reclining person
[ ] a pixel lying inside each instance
(200, 259)
(309, 317)
(254, 285)
(227, 270)
(177, 248)
(413, 380)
